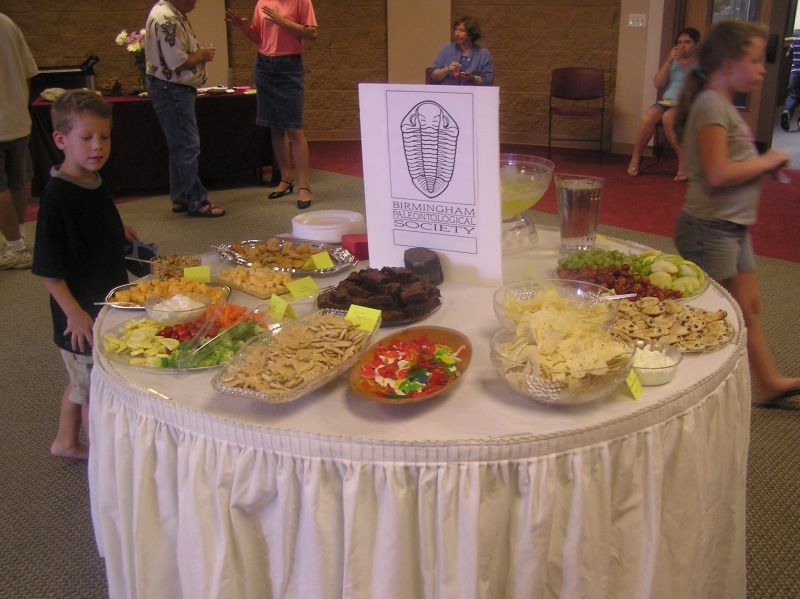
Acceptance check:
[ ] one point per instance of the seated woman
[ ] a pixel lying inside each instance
(463, 62)
(680, 60)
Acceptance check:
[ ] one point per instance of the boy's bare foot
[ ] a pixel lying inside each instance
(75, 452)
(778, 389)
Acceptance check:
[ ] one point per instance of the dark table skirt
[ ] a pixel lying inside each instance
(231, 144)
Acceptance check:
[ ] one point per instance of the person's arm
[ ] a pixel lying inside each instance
(722, 172)
(130, 232)
(79, 323)
(662, 75)
(238, 21)
(485, 72)
(439, 74)
(304, 32)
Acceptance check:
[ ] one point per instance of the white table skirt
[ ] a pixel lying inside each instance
(195, 496)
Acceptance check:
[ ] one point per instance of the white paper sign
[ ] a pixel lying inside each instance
(431, 176)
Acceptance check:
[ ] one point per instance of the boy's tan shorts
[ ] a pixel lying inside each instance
(79, 367)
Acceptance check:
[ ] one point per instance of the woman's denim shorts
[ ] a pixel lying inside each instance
(279, 81)
(721, 248)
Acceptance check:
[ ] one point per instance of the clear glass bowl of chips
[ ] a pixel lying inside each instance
(566, 383)
(516, 302)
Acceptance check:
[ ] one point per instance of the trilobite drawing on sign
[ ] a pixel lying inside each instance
(430, 139)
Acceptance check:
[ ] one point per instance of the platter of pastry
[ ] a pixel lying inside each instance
(286, 255)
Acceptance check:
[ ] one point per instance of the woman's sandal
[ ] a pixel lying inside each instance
(207, 210)
(633, 171)
(178, 208)
(282, 192)
(680, 177)
(302, 204)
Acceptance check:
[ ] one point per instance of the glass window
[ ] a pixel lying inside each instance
(738, 10)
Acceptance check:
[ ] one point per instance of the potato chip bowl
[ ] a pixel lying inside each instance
(578, 292)
(594, 384)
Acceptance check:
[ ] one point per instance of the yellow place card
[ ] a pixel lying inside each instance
(634, 384)
(320, 261)
(365, 318)
(279, 308)
(198, 273)
(302, 287)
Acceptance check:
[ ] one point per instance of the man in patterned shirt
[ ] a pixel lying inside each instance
(176, 67)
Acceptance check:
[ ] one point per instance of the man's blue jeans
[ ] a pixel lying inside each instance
(174, 107)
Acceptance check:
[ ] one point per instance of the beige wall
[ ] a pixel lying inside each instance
(429, 23)
(639, 56)
(528, 38)
(208, 23)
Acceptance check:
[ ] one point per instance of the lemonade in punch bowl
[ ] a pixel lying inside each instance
(524, 179)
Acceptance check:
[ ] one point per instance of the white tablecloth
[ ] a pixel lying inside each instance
(482, 493)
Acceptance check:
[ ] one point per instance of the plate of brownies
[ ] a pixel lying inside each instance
(400, 295)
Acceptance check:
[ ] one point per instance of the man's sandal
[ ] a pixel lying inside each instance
(303, 204)
(207, 210)
(178, 208)
(283, 192)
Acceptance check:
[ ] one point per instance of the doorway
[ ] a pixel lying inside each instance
(758, 109)
(788, 141)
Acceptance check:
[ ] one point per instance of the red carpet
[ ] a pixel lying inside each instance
(649, 203)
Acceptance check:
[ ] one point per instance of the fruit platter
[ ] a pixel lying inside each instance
(649, 274)
(207, 342)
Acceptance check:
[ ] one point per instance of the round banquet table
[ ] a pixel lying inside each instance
(479, 493)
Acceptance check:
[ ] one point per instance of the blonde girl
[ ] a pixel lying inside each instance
(725, 171)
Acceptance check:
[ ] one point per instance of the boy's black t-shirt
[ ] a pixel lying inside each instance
(80, 239)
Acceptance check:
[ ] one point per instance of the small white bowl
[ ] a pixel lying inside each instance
(161, 313)
(659, 375)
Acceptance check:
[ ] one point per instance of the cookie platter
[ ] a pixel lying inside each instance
(688, 329)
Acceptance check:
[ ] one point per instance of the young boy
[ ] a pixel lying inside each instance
(79, 249)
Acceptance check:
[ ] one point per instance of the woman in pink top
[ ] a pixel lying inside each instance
(279, 28)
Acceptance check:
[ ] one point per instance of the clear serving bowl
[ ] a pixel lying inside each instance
(248, 363)
(659, 375)
(515, 301)
(594, 385)
(158, 311)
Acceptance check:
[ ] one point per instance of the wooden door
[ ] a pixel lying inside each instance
(758, 107)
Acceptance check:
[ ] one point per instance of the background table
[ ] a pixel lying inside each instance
(231, 144)
(481, 493)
